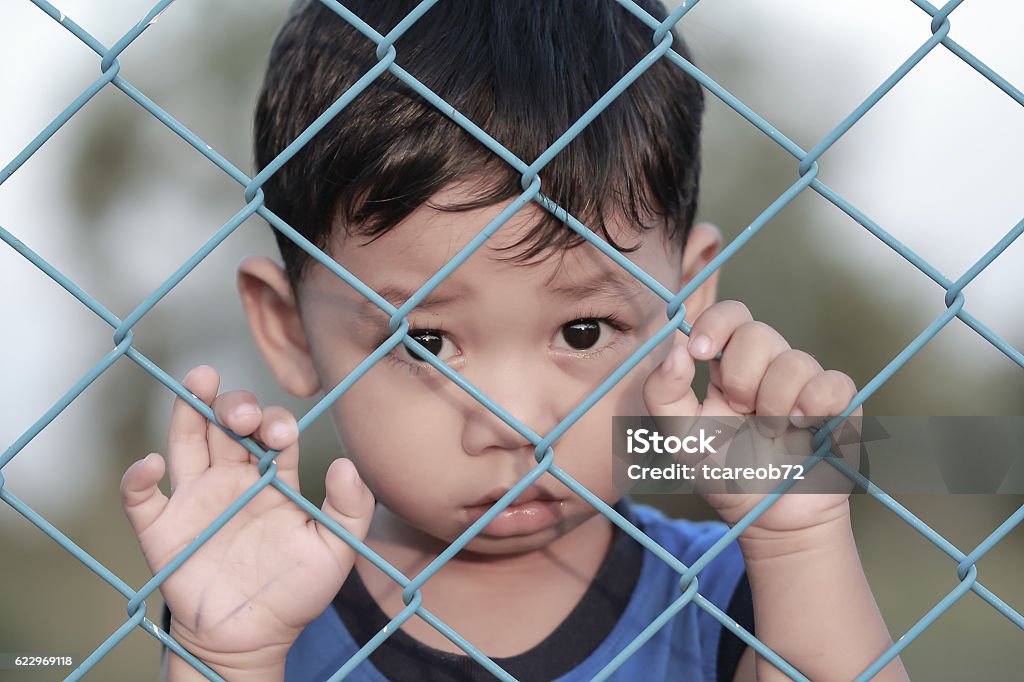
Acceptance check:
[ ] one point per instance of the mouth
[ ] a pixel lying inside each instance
(534, 492)
(534, 510)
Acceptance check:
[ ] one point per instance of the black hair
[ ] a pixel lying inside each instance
(522, 70)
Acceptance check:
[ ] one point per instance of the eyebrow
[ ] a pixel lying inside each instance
(605, 285)
(397, 296)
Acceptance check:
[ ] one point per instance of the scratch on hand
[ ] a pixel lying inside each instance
(247, 600)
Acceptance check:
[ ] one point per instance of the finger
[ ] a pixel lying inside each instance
(240, 412)
(785, 377)
(188, 454)
(668, 390)
(279, 431)
(288, 465)
(141, 499)
(746, 357)
(712, 328)
(825, 395)
(715, 404)
(348, 502)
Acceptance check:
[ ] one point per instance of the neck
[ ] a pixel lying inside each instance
(476, 591)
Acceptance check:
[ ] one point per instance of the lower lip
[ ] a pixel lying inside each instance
(519, 519)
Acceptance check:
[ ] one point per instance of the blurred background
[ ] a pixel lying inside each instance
(117, 202)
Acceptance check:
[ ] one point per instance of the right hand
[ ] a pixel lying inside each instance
(241, 600)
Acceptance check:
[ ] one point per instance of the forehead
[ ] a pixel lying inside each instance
(404, 258)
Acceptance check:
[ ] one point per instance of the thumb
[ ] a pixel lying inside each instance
(668, 391)
(348, 502)
(140, 497)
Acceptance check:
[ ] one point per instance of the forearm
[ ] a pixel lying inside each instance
(813, 605)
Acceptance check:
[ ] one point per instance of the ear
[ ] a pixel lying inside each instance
(702, 244)
(276, 326)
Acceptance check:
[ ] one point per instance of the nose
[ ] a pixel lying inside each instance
(526, 393)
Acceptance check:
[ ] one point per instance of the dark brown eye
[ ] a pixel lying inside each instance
(431, 340)
(582, 334)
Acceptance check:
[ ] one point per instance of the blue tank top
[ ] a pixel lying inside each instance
(683, 649)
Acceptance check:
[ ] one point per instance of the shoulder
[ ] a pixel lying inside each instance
(687, 540)
(721, 578)
(685, 646)
(323, 647)
(702, 543)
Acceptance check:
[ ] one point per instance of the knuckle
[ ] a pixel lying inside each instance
(722, 312)
(735, 380)
(754, 329)
(770, 406)
(829, 390)
(773, 399)
(795, 360)
(816, 392)
(757, 334)
(844, 386)
(187, 437)
(735, 308)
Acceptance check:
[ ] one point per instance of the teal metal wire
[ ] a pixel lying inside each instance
(530, 172)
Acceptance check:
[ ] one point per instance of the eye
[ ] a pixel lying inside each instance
(434, 341)
(586, 333)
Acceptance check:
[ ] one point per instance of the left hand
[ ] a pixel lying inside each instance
(760, 375)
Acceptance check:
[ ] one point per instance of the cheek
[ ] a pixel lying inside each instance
(626, 399)
(396, 445)
(588, 443)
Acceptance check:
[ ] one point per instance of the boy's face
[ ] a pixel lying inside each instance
(536, 338)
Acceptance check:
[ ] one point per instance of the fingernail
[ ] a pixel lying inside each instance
(192, 372)
(797, 418)
(700, 345)
(247, 410)
(280, 431)
(349, 474)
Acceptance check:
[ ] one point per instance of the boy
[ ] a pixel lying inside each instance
(534, 319)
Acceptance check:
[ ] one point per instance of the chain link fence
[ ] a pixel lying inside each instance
(531, 172)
